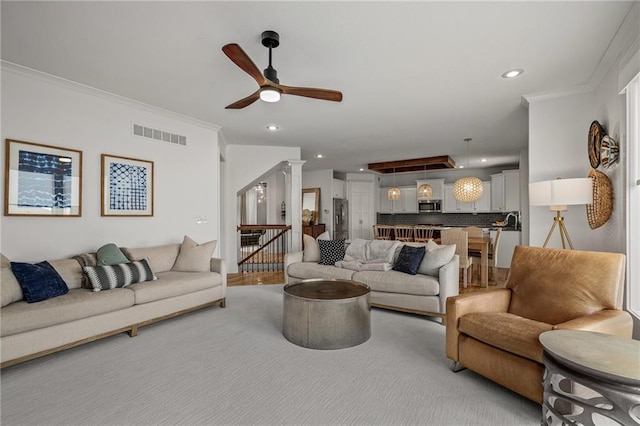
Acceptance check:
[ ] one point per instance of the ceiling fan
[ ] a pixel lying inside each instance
(270, 87)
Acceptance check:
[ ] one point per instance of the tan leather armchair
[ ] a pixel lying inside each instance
(495, 333)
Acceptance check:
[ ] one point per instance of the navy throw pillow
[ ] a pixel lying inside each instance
(409, 259)
(39, 281)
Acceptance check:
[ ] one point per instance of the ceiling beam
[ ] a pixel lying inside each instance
(414, 165)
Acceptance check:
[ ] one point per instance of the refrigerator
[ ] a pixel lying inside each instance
(340, 219)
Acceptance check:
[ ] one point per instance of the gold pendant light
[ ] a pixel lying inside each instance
(394, 192)
(468, 189)
(425, 191)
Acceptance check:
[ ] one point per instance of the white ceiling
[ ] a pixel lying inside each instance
(417, 77)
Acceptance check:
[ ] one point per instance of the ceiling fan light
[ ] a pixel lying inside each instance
(468, 189)
(270, 94)
(393, 193)
(425, 192)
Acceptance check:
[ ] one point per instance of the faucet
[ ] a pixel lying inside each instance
(516, 215)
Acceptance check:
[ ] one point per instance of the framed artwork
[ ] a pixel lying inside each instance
(127, 186)
(42, 180)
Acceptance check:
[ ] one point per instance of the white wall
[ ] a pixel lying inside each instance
(558, 129)
(244, 164)
(40, 108)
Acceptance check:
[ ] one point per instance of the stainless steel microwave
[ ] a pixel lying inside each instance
(429, 206)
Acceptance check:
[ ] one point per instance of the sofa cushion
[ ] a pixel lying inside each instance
(161, 258)
(10, 290)
(174, 283)
(39, 281)
(70, 271)
(194, 257)
(331, 251)
(409, 259)
(311, 252)
(506, 331)
(436, 258)
(110, 254)
(309, 270)
(117, 276)
(77, 304)
(399, 282)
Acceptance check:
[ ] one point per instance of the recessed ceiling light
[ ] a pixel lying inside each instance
(484, 160)
(319, 156)
(273, 127)
(461, 167)
(361, 169)
(512, 73)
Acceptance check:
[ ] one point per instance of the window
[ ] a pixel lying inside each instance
(633, 196)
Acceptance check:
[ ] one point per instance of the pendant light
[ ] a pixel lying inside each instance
(425, 191)
(468, 189)
(394, 192)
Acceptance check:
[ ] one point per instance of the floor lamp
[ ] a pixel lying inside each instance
(558, 194)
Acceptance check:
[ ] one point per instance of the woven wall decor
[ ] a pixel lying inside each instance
(596, 133)
(599, 212)
(609, 151)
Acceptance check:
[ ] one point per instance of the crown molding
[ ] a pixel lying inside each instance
(553, 94)
(82, 88)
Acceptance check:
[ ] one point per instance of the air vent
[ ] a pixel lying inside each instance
(161, 135)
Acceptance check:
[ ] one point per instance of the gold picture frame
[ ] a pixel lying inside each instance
(127, 186)
(42, 180)
(310, 206)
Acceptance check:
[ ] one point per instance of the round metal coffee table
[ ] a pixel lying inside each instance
(590, 378)
(326, 314)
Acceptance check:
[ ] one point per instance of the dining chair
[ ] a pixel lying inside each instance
(404, 232)
(461, 240)
(382, 232)
(422, 233)
(492, 255)
(473, 231)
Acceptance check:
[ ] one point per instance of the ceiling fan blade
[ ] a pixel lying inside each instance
(242, 60)
(310, 92)
(246, 101)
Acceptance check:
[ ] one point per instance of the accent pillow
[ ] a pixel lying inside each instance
(10, 290)
(324, 236)
(194, 257)
(435, 259)
(39, 281)
(311, 252)
(409, 259)
(331, 251)
(110, 254)
(121, 275)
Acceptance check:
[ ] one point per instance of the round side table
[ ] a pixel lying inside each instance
(590, 379)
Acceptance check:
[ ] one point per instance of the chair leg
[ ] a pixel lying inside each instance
(456, 367)
(464, 278)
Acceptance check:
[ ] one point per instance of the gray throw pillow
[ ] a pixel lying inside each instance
(194, 257)
(435, 259)
(110, 254)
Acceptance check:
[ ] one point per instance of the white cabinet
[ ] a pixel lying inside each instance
(505, 191)
(337, 188)
(408, 202)
(508, 242)
(497, 192)
(451, 205)
(511, 190)
(436, 184)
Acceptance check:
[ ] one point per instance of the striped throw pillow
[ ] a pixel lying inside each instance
(121, 275)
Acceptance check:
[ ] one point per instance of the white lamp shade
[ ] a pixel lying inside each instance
(561, 192)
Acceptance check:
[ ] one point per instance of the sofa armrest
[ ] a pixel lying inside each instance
(463, 304)
(608, 321)
(448, 280)
(289, 258)
(219, 266)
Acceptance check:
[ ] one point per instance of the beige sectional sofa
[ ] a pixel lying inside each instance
(31, 330)
(420, 294)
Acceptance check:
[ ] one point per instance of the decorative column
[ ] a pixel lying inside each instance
(293, 184)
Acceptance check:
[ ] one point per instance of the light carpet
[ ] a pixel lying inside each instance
(232, 366)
